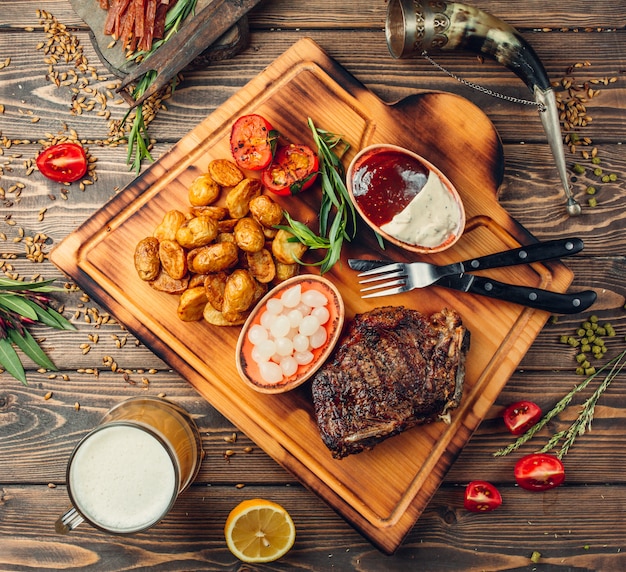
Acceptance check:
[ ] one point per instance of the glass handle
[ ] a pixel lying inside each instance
(68, 522)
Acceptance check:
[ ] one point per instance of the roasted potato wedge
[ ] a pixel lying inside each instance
(216, 318)
(213, 257)
(196, 232)
(239, 293)
(214, 286)
(225, 173)
(147, 261)
(266, 211)
(286, 251)
(239, 197)
(284, 271)
(165, 283)
(249, 235)
(167, 228)
(216, 212)
(173, 258)
(203, 191)
(261, 265)
(191, 304)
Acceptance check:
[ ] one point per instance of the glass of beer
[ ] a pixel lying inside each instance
(126, 474)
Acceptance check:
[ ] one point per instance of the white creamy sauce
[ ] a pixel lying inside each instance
(429, 219)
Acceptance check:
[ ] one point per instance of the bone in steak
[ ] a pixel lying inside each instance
(395, 368)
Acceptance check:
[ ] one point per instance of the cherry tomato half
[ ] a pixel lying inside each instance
(63, 163)
(293, 170)
(539, 472)
(252, 142)
(519, 417)
(481, 496)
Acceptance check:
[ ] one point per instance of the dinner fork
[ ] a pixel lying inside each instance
(417, 275)
(421, 274)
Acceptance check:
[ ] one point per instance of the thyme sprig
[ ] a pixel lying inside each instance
(138, 138)
(585, 416)
(337, 216)
(23, 304)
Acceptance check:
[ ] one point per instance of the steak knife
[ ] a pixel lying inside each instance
(538, 298)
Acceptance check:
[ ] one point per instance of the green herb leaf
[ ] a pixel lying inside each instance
(31, 348)
(50, 317)
(10, 361)
(17, 303)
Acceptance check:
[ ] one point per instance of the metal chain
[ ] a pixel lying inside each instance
(482, 89)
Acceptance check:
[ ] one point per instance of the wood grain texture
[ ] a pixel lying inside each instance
(36, 434)
(99, 257)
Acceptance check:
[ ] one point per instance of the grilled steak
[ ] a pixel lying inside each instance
(395, 368)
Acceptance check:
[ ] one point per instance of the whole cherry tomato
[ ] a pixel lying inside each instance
(539, 472)
(293, 170)
(63, 163)
(481, 496)
(519, 417)
(252, 142)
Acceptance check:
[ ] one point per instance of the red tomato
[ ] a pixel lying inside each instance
(252, 142)
(519, 417)
(481, 496)
(293, 170)
(539, 472)
(64, 163)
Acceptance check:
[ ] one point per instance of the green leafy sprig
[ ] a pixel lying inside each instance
(585, 416)
(337, 216)
(138, 138)
(23, 304)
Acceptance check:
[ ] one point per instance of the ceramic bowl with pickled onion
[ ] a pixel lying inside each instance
(405, 198)
(290, 334)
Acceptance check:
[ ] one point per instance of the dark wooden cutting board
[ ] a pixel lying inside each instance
(382, 492)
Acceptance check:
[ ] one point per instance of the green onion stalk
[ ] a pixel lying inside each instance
(138, 139)
(23, 304)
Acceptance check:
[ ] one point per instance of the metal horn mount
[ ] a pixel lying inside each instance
(418, 26)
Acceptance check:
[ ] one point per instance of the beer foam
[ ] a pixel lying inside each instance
(122, 478)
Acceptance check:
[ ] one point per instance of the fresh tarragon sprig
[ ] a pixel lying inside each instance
(138, 138)
(585, 416)
(23, 304)
(337, 216)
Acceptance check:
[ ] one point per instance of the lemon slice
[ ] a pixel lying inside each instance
(259, 530)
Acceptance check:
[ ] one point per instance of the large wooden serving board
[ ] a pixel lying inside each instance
(381, 492)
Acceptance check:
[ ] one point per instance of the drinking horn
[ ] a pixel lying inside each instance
(417, 26)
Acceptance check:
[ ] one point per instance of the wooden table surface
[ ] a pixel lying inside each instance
(578, 526)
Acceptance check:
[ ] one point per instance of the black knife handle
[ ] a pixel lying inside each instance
(537, 252)
(552, 302)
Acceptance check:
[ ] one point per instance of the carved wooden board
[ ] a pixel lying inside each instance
(381, 492)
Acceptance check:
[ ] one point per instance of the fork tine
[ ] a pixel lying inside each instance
(385, 276)
(382, 269)
(390, 284)
(388, 292)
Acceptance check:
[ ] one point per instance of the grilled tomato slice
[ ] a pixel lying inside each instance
(293, 170)
(253, 142)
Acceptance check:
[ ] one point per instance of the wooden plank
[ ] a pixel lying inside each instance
(289, 14)
(191, 536)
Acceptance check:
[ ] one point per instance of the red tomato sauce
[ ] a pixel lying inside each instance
(385, 182)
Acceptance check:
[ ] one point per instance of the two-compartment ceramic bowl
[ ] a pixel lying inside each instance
(405, 198)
